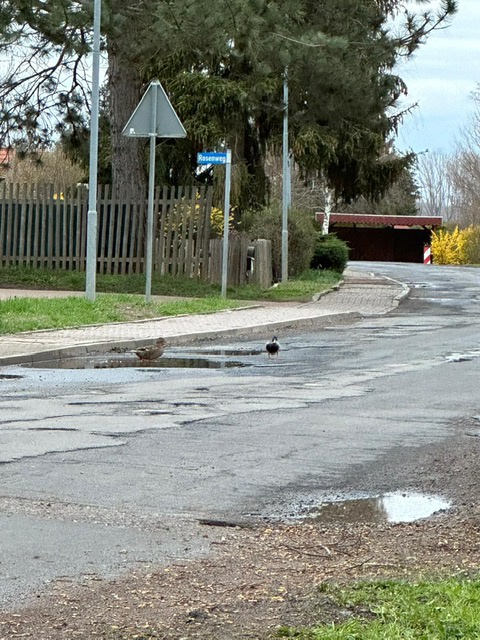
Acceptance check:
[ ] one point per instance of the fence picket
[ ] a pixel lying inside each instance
(206, 234)
(9, 223)
(191, 233)
(49, 211)
(82, 227)
(69, 212)
(138, 221)
(22, 224)
(56, 218)
(37, 231)
(176, 218)
(15, 220)
(162, 212)
(183, 234)
(3, 221)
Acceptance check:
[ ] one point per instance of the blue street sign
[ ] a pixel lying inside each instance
(211, 157)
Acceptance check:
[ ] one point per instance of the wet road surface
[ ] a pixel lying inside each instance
(107, 469)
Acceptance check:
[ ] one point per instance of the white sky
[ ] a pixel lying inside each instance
(441, 78)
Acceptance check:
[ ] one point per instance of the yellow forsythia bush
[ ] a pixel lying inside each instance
(216, 216)
(448, 247)
(217, 221)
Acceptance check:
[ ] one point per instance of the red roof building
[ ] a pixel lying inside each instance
(5, 156)
(383, 238)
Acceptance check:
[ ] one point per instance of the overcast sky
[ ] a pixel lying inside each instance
(441, 78)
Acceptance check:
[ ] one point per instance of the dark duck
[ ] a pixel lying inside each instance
(272, 347)
(152, 351)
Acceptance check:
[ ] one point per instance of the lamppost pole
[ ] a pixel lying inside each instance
(91, 266)
(286, 181)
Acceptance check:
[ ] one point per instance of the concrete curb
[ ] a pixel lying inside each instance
(403, 294)
(257, 328)
(263, 330)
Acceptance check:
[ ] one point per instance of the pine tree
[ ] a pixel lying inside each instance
(222, 61)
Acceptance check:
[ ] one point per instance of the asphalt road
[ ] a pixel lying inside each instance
(103, 470)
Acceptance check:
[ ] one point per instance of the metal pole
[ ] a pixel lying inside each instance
(226, 220)
(91, 266)
(286, 181)
(151, 193)
(289, 182)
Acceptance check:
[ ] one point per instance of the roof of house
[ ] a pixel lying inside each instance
(374, 220)
(5, 156)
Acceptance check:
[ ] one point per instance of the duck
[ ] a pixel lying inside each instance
(152, 351)
(272, 347)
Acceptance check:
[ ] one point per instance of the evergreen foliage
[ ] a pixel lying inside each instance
(222, 63)
(330, 253)
(400, 199)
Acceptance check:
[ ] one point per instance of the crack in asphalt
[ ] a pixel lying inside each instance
(45, 454)
(115, 402)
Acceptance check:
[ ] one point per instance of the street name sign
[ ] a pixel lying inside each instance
(212, 157)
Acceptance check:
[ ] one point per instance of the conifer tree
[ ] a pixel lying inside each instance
(222, 62)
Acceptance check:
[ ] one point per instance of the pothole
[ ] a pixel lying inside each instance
(391, 507)
(101, 362)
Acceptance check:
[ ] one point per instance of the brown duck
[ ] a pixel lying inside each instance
(152, 351)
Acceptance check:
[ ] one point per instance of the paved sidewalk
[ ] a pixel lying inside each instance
(359, 295)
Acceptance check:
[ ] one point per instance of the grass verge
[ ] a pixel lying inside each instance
(302, 288)
(33, 314)
(431, 610)
(127, 303)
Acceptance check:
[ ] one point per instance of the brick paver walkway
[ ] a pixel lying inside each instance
(360, 294)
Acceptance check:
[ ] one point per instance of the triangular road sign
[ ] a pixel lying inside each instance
(141, 121)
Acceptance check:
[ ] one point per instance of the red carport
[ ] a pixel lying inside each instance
(383, 238)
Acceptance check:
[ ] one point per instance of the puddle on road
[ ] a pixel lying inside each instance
(101, 362)
(230, 352)
(388, 507)
(462, 357)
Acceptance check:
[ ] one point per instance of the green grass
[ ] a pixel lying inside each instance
(300, 288)
(439, 610)
(132, 283)
(33, 314)
(121, 298)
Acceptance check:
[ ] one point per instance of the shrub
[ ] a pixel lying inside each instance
(448, 247)
(330, 253)
(302, 231)
(472, 244)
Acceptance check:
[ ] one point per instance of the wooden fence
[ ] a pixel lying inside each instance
(42, 227)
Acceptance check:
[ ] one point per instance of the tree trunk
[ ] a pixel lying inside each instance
(328, 210)
(129, 175)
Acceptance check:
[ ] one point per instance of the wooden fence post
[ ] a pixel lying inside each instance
(262, 273)
(238, 261)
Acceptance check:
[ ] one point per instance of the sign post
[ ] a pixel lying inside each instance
(285, 182)
(151, 193)
(91, 265)
(153, 118)
(222, 157)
